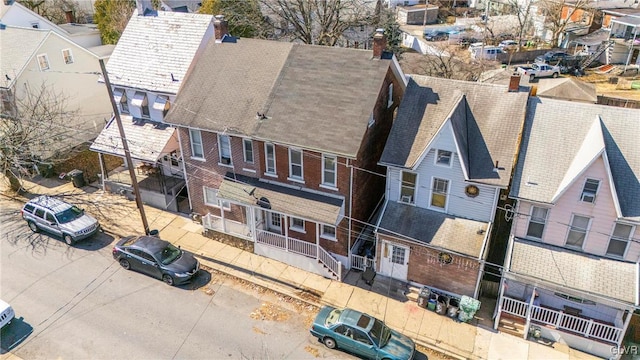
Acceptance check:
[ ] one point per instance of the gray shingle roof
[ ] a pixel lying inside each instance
(594, 274)
(570, 89)
(18, 46)
(486, 119)
(147, 140)
(314, 97)
(303, 204)
(434, 228)
(152, 48)
(557, 132)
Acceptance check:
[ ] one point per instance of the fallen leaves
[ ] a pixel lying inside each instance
(312, 350)
(270, 312)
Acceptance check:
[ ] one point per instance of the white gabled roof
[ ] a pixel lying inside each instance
(18, 46)
(154, 47)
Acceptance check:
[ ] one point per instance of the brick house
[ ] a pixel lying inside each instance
(444, 185)
(281, 144)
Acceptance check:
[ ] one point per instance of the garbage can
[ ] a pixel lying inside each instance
(431, 304)
(77, 178)
(423, 297)
(368, 275)
(452, 309)
(441, 306)
(468, 308)
(154, 233)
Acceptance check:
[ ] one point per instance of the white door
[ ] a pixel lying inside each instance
(275, 222)
(394, 261)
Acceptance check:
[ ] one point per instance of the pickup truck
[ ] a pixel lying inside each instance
(539, 70)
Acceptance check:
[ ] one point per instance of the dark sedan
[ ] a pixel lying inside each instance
(157, 258)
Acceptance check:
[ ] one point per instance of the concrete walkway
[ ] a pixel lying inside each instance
(121, 217)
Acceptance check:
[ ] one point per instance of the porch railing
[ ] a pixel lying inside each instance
(302, 248)
(588, 328)
(362, 262)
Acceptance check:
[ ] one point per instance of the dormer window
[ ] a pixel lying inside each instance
(590, 190)
(141, 104)
(443, 157)
(162, 104)
(120, 97)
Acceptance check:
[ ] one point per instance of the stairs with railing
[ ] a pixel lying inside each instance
(596, 54)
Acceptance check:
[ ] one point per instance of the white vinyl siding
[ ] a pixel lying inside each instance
(196, 144)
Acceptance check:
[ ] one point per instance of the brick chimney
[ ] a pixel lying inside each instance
(69, 16)
(220, 27)
(514, 82)
(379, 43)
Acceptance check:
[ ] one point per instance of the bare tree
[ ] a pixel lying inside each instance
(446, 61)
(55, 10)
(34, 133)
(556, 18)
(524, 16)
(319, 22)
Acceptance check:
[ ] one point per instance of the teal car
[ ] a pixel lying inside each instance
(361, 334)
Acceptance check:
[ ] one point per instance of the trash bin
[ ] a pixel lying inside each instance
(154, 233)
(77, 178)
(423, 297)
(431, 304)
(468, 308)
(452, 309)
(368, 275)
(441, 305)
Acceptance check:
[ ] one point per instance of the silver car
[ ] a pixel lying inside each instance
(59, 218)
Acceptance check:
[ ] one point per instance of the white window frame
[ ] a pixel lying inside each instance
(573, 228)
(586, 195)
(372, 121)
(247, 150)
(433, 191)
(325, 235)
(195, 144)
(620, 239)
(267, 171)
(217, 202)
(293, 226)
(67, 56)
(326, 170)
(292, 164)
(46, 62)
(390, 99)
(224, 149)
(538, 221)
(437, 158)
(408, 199)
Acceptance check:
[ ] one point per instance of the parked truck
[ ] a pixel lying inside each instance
(539, 70)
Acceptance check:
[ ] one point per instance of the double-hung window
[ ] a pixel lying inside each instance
(439, 191)
(224, 145)
(67, 56)
(329, 169)
(619, 240)
(196, 144)
(295, 164)
(43, 62)
(408, 187)
(443, 157)
(537, 222)
(247, 148)
(211, 199)
(328, 231)
(589, 190)
(270, 159)
(578, 231)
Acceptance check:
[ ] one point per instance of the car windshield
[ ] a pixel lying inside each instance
(69, 215)
(169, 254)
(380, 333)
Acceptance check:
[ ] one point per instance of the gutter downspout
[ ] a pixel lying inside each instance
(350, 209)
(184, 169)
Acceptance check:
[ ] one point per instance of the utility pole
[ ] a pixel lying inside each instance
(127, 153)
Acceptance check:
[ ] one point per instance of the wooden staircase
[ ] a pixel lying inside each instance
(512, 325)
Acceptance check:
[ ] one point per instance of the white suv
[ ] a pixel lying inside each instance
(6, 313)
(59, 218)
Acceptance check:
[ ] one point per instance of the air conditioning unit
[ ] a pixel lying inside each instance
(226, 161)
(406, 199)
(588, 197)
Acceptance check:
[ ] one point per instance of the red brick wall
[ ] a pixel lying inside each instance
(459, 277)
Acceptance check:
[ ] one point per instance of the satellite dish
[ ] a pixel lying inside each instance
(264, 203)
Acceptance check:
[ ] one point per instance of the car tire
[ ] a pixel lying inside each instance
(555, 75)
(167, 279)
(33, 226)
(125, 264)
(67, 239)
(532, 77)
(329, 343)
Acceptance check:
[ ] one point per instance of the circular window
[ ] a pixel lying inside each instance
(471, 191)
(445, 258)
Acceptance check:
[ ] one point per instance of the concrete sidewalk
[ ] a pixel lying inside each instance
(426, 327)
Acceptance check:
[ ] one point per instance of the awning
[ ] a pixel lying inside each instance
(297, 203)
(118, 94)
(627, 20)
(139, 99)
(606, 278)
(147, 140)
(161, 102)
